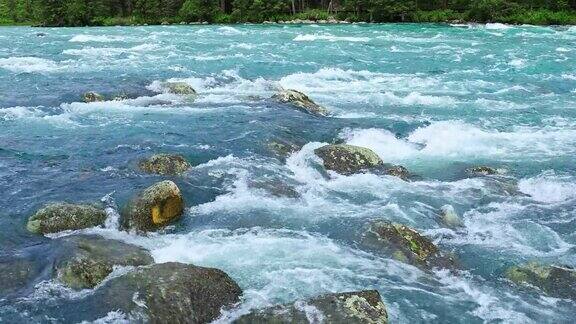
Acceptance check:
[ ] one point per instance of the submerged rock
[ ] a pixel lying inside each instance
(155, 207)
(556, 281)
(165, 164)
(85, 261)
(276, 188)
(348, 159)
(15, 274)
(283, 149)
(59, 217)
(449, 217)
(481, 171)
(180, 88)
(172, 293)
(396, 171)
(405, 245)
(352, 307)
(92, 97)
(301, 102)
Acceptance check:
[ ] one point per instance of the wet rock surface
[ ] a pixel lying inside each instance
(554, 280)
(405, 245)
(301, 102)
(180, 88)
(57, 217)
(86, 260)
(164, 164)
(155, 207)
(171, 293)
(348, 159)
(351, 307)
(92, 97)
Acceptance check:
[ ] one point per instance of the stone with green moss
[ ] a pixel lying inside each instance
(92, 97)
(556, 281)
(171, 293)
(155, 207)
(57, 217)
(348, 159)
(405, 245)
(351, 307)
(482, 170)
(180, 88)
(301, 102)
(164, 164)
(84, 261)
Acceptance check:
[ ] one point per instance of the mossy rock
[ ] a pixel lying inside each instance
(481, 171)
(85, 261)
(396, 171)
(92, 97)
(59, 217)
(556, 281)
(301, 102)
(283, 149)
(350, 308)
(406, 245)
(348, 159)
(180, 88)
(155, 207)
(172, 293)
(165, 164)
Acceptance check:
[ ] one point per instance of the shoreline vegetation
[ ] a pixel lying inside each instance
(61, 13)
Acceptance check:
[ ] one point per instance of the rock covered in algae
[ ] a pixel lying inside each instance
(450, 217)
(57, 217)
(481, 170)
(348, 159)
(180, 88)
(301, 102)
(406, 245)
(84, 261)
(172, 293)
(164, 164)
(155, 207)
(92, 97)
(554, 280)
(351, 307)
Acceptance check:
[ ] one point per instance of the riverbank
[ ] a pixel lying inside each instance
(524, 17)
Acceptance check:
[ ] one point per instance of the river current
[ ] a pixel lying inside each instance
(436, 99)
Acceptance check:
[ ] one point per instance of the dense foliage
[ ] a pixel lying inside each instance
(112, 12)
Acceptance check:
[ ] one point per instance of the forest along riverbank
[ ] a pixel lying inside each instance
(399, 173)
(156, 12)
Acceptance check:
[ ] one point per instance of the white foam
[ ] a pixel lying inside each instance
(330, 38)
(84, 38)
(497, 26)
(549, 187)
(458, 140)
(29, 64)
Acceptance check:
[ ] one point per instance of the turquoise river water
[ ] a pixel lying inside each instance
(436, 99)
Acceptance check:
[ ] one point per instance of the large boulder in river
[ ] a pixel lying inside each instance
(172, 293)
(348, 159)
(352, 307)
(59, 217)
(155, 207)
(85, 261)
(180, 88)
(164, 164)
(301, 102)
(405, 245)
(556, 281)
(92, 97)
